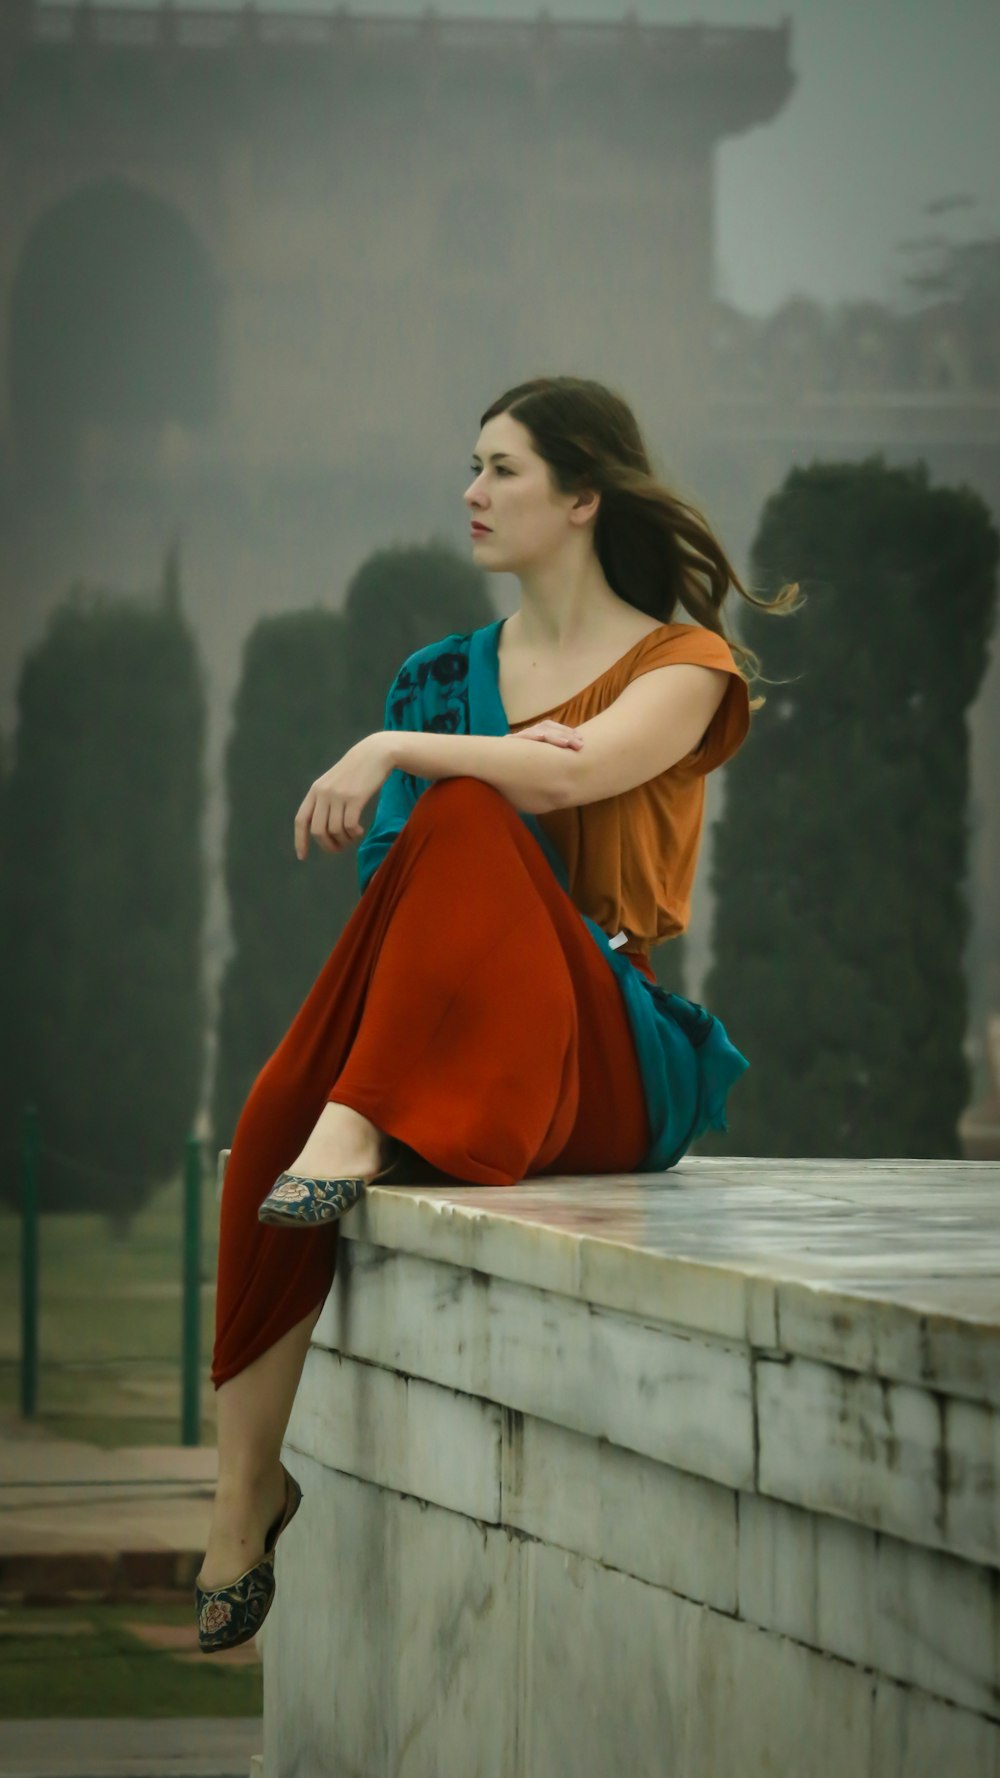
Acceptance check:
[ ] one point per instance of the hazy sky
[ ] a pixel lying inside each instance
(896, 108)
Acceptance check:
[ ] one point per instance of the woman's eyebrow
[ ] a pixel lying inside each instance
(477, 459)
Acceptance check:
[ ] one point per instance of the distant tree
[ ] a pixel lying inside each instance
(841, 862)
(103, 898)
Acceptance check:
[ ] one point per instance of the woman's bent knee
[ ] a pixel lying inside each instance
(462, 798)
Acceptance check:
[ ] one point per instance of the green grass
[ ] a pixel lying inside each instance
(110, 1344)
(110, 1321)
(106, 1671)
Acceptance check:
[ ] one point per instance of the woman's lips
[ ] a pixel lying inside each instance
(480, 530)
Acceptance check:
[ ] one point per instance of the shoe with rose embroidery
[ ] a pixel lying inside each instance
(232, 1614)
(297, 1200)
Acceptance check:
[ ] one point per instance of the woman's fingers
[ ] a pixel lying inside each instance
(303, 823)
(558, 734)
(331, 811)
(561, 733)
(319, 826)
(352, 828)
(332, 824)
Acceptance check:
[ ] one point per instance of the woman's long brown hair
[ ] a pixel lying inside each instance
(656, 550)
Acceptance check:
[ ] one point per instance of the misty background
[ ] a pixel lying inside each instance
(260, 275)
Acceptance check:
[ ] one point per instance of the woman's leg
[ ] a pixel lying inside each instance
(466, 1011)
(520, 1058)
(253, 1410)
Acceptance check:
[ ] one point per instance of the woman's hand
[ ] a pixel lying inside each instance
(558, 734)
(331, 811)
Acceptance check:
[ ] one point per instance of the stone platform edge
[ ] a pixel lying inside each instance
(903, 1341)
(767, 1301)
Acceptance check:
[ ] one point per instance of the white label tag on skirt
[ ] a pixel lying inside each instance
(620, 938)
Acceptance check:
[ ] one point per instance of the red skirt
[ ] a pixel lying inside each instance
(466, 1011)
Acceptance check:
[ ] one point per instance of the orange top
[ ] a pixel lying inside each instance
(631, 858)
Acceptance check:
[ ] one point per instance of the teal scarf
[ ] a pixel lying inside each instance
(686, 1059)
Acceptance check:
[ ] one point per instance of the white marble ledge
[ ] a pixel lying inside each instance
(888, 1267)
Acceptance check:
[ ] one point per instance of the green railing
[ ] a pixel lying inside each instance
(190, 1278)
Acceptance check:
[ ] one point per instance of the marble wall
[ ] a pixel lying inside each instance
(545, 1536)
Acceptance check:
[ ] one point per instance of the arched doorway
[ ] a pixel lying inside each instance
(114, 322)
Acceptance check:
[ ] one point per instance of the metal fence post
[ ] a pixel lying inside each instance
(191, 1330)
(29, 1262)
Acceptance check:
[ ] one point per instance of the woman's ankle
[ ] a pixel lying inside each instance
(245, 1498)
(241, 1520)
(244, 1480)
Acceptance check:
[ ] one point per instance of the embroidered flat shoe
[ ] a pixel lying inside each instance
(232, 1614)
(296, 1200)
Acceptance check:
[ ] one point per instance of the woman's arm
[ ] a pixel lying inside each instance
(531, 778)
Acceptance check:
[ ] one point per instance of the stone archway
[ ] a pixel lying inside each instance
(114, 321)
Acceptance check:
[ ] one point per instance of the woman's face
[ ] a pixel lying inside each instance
(512, 494)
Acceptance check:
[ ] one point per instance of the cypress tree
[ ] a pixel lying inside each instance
(104, 898)
(841, 863)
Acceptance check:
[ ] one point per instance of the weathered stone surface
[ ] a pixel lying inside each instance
(697, 1474)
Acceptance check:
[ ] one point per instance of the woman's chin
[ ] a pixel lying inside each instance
(490, 563)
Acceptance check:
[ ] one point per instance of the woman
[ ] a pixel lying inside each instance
(491, 996)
